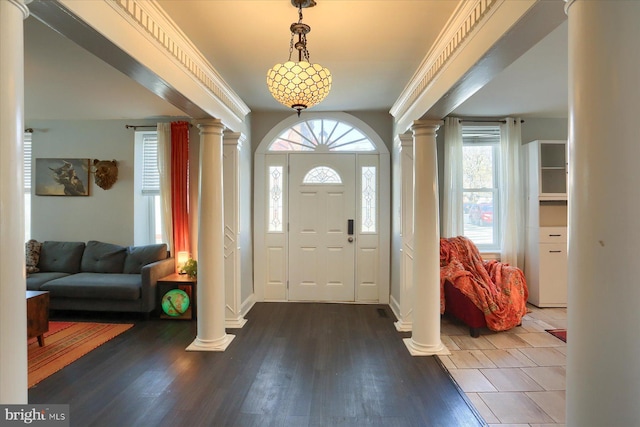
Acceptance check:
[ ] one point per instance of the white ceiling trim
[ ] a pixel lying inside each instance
(455, 58)
(461, 24)
(148, 47)
(154, 23)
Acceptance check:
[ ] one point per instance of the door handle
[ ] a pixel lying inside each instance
(350, 228)
(350, 239)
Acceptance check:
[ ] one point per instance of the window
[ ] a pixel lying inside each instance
(480, 182)
(369, 198)
(275, 198)
(323, 135)
(322, 175)
(27, 184)
(147, 216)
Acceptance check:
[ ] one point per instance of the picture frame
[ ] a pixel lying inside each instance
(62, 177)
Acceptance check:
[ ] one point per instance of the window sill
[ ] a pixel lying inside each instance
(490, 255)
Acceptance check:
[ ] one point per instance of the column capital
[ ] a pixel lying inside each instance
(21, 4)
(426, 126)
(406, 139)
(567, 5)
(208, 126)
(234, 138)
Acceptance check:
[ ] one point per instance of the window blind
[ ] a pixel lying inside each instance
(150, 174)
(480, 134)
(26, 159)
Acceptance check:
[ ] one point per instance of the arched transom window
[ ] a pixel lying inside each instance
(323, 135)
(322, 175)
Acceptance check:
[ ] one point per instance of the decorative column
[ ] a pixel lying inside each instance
(405, 305)
(13, 316)
(232, 257)
(603, 373)
(425, 339)
(211, 334)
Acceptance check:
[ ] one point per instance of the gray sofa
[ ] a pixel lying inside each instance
(99, 276)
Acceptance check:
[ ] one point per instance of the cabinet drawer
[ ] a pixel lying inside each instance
(553, 251)
(553, 234)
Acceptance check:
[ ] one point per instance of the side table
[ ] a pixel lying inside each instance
(184, 283)
(37, 315)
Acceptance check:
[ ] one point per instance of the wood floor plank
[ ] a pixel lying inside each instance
(293, 364)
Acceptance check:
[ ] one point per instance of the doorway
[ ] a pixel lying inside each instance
(322, 212)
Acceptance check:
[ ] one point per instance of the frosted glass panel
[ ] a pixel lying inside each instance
(322, 135)
(275, 198)
(369, 198)
(322, 175)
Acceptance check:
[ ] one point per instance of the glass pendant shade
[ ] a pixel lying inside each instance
(299, 85)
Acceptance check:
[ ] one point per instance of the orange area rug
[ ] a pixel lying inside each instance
(66, 342)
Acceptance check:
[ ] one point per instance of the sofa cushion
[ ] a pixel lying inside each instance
(63, 257)
(35, 280)
(32, 255)
(139, 256)
(96, 285)
(100, 257)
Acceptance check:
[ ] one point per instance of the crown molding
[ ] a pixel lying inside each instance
(155, 24)
(463, 22)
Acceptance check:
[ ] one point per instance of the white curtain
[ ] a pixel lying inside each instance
(512, 193)
(452, 204)
(164, 169)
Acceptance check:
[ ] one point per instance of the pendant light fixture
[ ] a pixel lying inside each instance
(299, 85)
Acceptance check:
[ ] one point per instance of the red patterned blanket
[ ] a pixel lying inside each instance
(498, 290)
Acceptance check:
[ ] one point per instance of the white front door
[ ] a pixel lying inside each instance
(321, 241)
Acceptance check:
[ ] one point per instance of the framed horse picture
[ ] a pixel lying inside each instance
(62, 177)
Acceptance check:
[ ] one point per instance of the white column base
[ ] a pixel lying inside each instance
(220, 344)
(237, 323)
(417, 349)
(402, 326)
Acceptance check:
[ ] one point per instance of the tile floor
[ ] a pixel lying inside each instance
(514, 378)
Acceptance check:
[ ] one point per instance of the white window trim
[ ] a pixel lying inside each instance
(494, 248)
(145, 194)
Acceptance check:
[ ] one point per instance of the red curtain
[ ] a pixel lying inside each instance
(180, 186)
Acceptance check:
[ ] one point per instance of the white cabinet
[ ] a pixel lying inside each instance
(548, 166)
(546, 247)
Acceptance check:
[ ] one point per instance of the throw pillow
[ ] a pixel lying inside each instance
(32, 255)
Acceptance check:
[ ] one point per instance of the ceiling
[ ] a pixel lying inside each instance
(371, 47)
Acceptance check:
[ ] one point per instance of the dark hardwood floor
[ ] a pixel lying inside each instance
(291, 365)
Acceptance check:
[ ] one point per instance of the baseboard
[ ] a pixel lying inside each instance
(236, 323)
(401, 325)
(395, 306)
(239, 321)
(247, 304)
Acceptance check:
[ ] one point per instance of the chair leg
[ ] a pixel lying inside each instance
(474, 332)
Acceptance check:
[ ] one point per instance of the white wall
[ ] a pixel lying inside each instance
(105, 215)
(246, 219)
(396, 222)
(533, 129)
